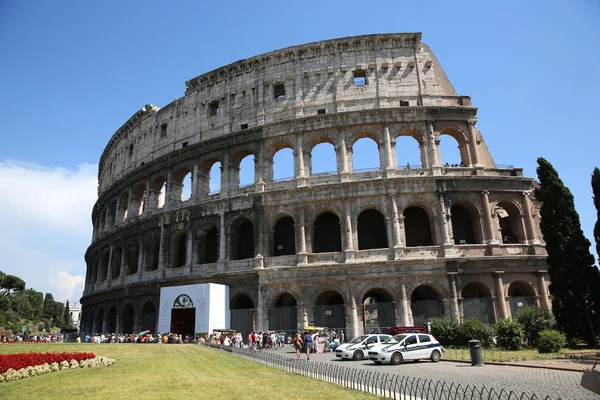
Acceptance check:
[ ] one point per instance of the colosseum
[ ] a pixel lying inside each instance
(346, 247)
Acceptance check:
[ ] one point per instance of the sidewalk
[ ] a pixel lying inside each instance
(573, 365)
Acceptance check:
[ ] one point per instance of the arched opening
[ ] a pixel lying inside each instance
(327, 233)
(365, 155)
(139, 199)
(408, 153)
(372, 233)
(378, 310)
(511, 225)
(242, 240)
(329, 310)
(104, 266)
(148, 317)
(178, 249)
(462, 225)
(323, 159)
(425, 304)
(241, 307)
(186, 187)
(152, 255)
(246, 177)
(99, 321)
(116, 267)
(208, 245)
(214, 180)
(477, 302)
(417, 227)
(133, 255)
(520, 294)
(284, 237)
(283, 165)
(127, 318)
(283, 314)
(450, 152)
(111, 323)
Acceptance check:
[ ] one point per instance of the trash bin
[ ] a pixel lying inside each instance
(476, 355)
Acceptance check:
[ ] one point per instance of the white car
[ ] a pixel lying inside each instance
(407, 346)
(358, 347)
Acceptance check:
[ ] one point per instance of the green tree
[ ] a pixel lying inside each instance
(49, 307)
(596, 192)
(11, 283)
(37, 303)
(59, 309)
(535, 320)
(574, 279)
(67, 323)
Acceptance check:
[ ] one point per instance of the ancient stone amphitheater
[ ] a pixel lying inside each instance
(349, 249)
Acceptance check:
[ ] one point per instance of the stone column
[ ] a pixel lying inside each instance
(110, 262)
(259, 169)
(397, 246)
(502, 309)
(485, 202)
(222, 243)
(301, 316)
(424, 155)
(435, 158)
(140, 268)
(169, 199)
(260, 309)
(531, 234)
(302, 253)
(118, 214)
(473, 143)
(122, 270)
(454, 300)
(161, 247)
(352, 315)
(390, 164)
(444, 220)
(189, 251)
(300, 176)
(225, 178)
(344, 156)
(403, 307)
(349, 251)
(194, 189)
(545, 299)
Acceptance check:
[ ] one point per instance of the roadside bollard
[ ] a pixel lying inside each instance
(475, 349)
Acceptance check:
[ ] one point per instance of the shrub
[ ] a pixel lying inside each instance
(550, 341)
(509, 334)
(472, 328)
(445, 330)
(535, 320)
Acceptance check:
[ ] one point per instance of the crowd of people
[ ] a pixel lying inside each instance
(49, 338)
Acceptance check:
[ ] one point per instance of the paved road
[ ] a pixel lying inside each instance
(539, 381)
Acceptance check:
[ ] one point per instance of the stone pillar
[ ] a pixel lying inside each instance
(169, 199)
(435, 158)
(424, 155)
(531, 233)
(189, 251)
(194, 193)
(397, 246)
(473, 143)
(259, 169)
(390, 164)
(140, 268)
(352, 317)
(118, 214)
(344, 156)
(104, 321)
(485, 202)
(122, 271)
(110, 262)
(300, 175)
(161, 247)
(454, 299)
(222, 243)
(225, 178)
(301, 316)
(302, 253)
(444, 220)
(502, 309)
(150, 202)
(260, 309)
(403, 307)
(543, 288)
(349, 251)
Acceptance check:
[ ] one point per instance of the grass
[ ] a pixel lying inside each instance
(156, 371)
(462, 353)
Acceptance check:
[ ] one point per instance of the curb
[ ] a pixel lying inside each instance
(509, 364)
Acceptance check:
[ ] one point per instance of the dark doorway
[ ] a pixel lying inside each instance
(148, 317)
(371, 230)
(378, 310)
(462, 225)
(329, 311)
(111, 323)
(425, 304)
(241, 314)
(243, 241)
(127, 319)
(133, 252)
(284, 237)
(116, 270)
(208, 245)
(327, 234)
(417, 228)
(183, 321)
(178, 249)
(283, 315)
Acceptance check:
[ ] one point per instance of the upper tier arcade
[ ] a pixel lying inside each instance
(332, 77)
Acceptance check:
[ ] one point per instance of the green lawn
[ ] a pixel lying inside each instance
(156, 371)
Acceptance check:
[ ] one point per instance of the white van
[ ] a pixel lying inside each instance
(407, 346)
(357, 348)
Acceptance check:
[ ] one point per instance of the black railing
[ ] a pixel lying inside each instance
(387, 385)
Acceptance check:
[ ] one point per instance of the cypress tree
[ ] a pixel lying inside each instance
(67, 316)
(49, 307)
(574, 279)
(596, 192)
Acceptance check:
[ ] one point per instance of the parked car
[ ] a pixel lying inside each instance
(407, 346)
(358, 347)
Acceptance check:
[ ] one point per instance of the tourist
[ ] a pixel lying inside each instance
(308, 344)
(298, 345)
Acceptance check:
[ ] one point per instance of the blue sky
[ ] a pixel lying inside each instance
(73, 72)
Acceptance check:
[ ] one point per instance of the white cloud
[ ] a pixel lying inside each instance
(46, 220)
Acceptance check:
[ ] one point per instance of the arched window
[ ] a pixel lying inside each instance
(186, 190)
(242, 240)
(148, 319)
(462, 225)
(365, 155)
(323, 159)
(208, 245)
(111, 320)
(521, 294)
(417, 228)
(372, 233)
(284, 237)
(178, 249)
(408, 152)
(511, 225)
(246, 176)
(133, 252)
(283, 164)
(327, 233)
(214, 183)
(449, 152)
(283, 314)
(116, 267)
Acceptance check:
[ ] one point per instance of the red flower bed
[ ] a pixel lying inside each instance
(24, 360)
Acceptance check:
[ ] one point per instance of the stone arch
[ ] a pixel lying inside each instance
(241, 307)
(151, 251)
(406, 154)
(99, 320)
(178, 249)
(104, 266)
(244, 163)
(426, 303)
(283, 315)
(209, 176)
(140, 199)
(181, 184)
(207, 247)
(111, 320)
(477, 302)
(324, 148)
(417, 227)
(461, 156)
(329, 310)
(132, 258)
(521, 293)
(242, 239)
(510, 222)
(371, 230)
(465, 224)
(284, 237)
(378, 309)
(148, 316)
(128, 319)
(281, 162)
(364, 148)
(327, 236)
(116, 262)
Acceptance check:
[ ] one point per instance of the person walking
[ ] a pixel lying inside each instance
(298, 345)
(308, 344)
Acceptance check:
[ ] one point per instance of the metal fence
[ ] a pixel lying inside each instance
(382, 384)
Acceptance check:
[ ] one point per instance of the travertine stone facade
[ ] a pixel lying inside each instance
(349, 249)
